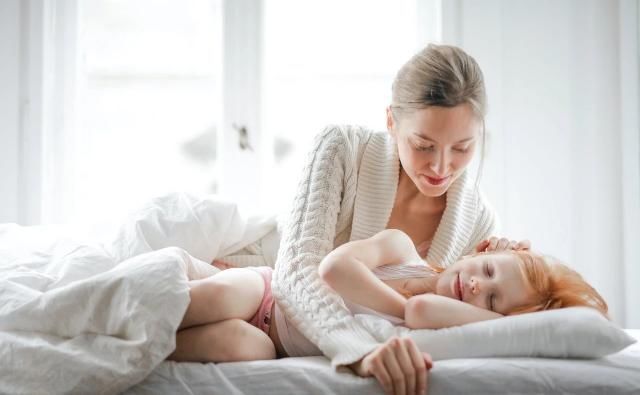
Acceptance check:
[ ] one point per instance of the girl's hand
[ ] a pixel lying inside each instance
(501, 244)
(398, 365)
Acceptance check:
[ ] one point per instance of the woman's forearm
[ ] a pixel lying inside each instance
(429, 311)
(308, 235)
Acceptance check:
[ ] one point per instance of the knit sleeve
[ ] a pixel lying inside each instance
(307, 237)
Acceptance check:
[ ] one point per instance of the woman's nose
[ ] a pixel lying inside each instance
(475, 286)
(440, 163)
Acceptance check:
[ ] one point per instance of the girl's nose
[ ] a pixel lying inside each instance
(475, 287)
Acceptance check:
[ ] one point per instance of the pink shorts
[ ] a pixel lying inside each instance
(262, 319)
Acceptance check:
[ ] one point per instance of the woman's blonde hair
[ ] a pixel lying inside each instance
(439, 75)
(556, 285)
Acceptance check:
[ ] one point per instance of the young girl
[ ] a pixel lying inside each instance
(382, 275)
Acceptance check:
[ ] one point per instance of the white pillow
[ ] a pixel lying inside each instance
(575, 332)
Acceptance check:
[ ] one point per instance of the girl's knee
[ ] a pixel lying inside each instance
(249, 343)
(256, 351)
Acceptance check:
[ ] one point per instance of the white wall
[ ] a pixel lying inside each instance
(9, 108)
(554, 169)
(629, 83)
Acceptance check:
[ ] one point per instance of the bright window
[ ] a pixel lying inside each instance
(150, 93)
(329, 62)
(149, 102)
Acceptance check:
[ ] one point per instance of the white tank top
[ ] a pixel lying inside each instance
(296, 345)
(404, 270)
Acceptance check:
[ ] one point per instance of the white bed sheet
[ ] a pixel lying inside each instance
(619, 373)
(616, 374)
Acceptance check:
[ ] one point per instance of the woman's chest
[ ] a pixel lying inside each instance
(419, 225)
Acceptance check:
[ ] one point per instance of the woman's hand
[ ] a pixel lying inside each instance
(399, 366)
(501, 244)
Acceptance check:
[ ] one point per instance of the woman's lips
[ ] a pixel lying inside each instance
(436, 181)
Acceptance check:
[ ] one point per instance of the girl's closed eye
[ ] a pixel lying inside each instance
(488, 270)
(492, 302)
(462, 150)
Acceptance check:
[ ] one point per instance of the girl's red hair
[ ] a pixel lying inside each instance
(556, 285)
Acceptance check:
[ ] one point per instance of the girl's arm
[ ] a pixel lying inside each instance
(429, 311)
(347, 270)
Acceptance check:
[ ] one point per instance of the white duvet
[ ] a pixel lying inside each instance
(98, 318)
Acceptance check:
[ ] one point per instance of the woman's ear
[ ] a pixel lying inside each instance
(391, 123)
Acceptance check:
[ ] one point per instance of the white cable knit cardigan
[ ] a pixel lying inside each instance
(346, 193)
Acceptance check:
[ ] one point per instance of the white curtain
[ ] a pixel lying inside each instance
(562, 166)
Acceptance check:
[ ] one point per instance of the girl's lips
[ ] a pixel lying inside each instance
(458, 287)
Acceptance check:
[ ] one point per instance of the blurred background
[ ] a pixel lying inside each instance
(107, 103)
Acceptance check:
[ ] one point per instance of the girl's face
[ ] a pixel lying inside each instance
(435, 145)
(492, 281)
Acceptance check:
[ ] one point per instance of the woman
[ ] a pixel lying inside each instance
(357, 183)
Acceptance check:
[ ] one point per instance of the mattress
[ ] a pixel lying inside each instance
(616, 374)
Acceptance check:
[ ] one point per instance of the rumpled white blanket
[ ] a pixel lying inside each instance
(98, 318)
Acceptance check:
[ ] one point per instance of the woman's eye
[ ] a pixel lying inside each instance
(461, 150)
(425, 147)
(492, 302)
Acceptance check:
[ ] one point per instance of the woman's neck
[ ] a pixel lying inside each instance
(409, 195)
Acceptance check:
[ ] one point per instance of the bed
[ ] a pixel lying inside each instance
(615, 374)
(49, 345)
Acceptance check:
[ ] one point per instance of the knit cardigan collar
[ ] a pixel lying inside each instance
(376, 191)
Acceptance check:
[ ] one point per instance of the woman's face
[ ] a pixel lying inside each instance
(435, 145)
(493, 281)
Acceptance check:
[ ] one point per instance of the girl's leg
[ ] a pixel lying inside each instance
(233, 293)
(225, 341)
